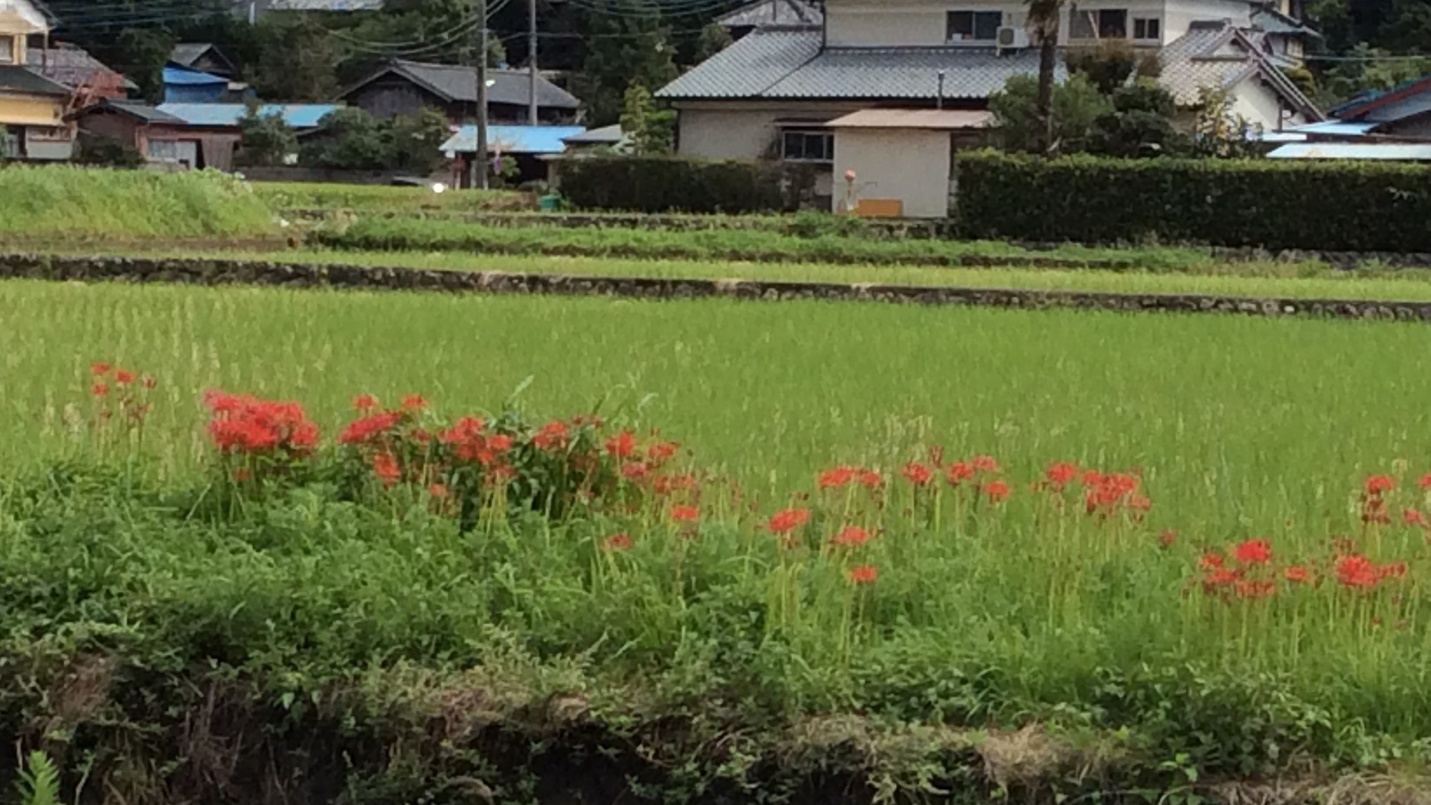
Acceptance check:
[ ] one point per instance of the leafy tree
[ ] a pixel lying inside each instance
(267, 140)
(350, 139)
(414, 142)
(142, 54)
(627, 43)
(1220, 132)
(1139, 125)
(714, 38)
(1372, 69)
(1076, 107)
(297, 60)
(96, 149)
(1111, 63)
(650, 129)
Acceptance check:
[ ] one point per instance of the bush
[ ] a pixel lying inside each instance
(98, 150)
(1273, 205)
(674, 184)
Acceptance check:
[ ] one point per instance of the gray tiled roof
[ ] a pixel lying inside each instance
(137, 109)
(23, 79)
(1269, 19)
(773, 12)
(788, 64)
(454, 83)
(68, 65)
(750, 66)
(186, 53)
(1219, 56)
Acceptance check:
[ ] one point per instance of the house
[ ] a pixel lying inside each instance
(73, 67)
(32, 107)
(767, 13)
(184, 85)
(1381, 152)
(194, 135)
(407, 88)
(251, 10)
(1402, 112)
(604, 138)
(204, 57)
(777, 92)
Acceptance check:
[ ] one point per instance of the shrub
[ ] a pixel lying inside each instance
(667, 184)
(1274, 205)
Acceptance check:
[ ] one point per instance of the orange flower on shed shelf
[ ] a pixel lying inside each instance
(851, 536)
(864, 574)
(787, 520)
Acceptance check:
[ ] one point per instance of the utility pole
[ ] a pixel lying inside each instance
(532, 62)
(478, 172)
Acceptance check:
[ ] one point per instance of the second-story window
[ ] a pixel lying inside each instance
(1147, 29)
(7, 50)
(974, 26)
(1106, 23)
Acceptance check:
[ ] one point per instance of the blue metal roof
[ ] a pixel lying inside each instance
(514, 139)
(183, 76)
(1409, 152)
(296, 115)
(1339, 128)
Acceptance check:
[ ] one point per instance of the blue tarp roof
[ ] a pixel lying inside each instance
(1393, 151)
(183, 76)
(514, 139)
(296, 115)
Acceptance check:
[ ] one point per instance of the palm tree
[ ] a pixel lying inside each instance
(1043, 24)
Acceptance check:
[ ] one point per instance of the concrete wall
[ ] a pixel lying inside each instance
(745, 130)
(906, 164)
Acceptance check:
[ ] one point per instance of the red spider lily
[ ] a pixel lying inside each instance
(1394, 570)
(367, 428)
(552, 436)
(99, 389)
(413, 402)
(471, 442)
(917, 474)
(634, 471)
(1060, 473)
(1168, 538)
(984, 464)
(1139, 503)
(1377, 484)
(666, 484)
(661, 452)
(1210, 560)
(837, 477)
(997, 491)
(685, 514)
(1253, 589)
(386, 468)
(1105, 493)
(1297, 574)
(851, 536)
(123, 377)
(437, 490)
(1253, 552)
(617, 542)
(1357, 571)
(870, 479)
(1425, 482)
(787, 520)
(243, 423)
(864, 574)
(957, 472)
(1413, 517)
(365, 402)
(622, 445)
(99, 368)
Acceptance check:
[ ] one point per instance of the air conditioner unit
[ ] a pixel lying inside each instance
(1011, 37)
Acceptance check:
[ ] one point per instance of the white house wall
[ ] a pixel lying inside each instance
(1179, 15)
(22, 17)
(1260, 105)
(908, 164)
(744, 130)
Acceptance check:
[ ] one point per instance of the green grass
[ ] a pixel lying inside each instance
(381, 198)
(982, 617)
(66, 201)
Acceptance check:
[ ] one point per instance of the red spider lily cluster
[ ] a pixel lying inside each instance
(1249, 571)
(120, 399)
(246, 425)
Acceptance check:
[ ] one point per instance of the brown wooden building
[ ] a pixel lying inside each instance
(407, 88)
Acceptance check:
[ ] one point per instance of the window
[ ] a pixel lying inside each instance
(1107, 23)
(974, 26)
(164, 150)
(1149, 28)
(807, 146)
(10, 144)
(7, 50)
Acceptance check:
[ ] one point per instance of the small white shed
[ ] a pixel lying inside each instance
(899, 162)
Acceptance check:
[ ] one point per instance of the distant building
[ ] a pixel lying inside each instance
(204, 57)
(253, 9)
(407, 88)
(32, 106)
(89, 78)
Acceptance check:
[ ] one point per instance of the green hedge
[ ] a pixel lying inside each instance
(677, 184)
(1331, 206)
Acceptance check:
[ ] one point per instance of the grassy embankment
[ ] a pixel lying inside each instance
(974, 638)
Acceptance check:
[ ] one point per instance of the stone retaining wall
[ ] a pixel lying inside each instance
(379, 278)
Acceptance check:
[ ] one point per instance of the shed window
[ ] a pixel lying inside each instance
(807, 145)
(7, 50)
(974, 26)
